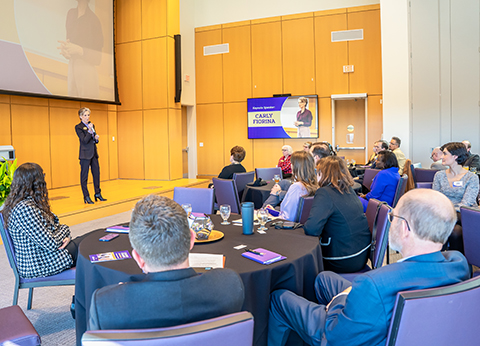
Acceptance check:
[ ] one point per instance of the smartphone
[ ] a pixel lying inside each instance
(109, 237)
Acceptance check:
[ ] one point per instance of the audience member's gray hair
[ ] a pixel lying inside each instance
(288, 148)
(427, 219)
(159, 231)
(82, 111)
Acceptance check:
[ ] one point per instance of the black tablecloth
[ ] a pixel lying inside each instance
(257, 194)
(297, 273)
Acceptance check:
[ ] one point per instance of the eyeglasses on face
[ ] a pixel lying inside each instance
(391, 216)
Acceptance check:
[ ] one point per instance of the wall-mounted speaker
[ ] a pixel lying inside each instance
(178, 67)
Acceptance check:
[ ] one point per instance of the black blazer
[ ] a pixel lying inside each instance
(167, 299)
(88, 147)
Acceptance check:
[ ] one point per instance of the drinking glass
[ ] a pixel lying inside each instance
(225, 213)
(188, 208)
(276, 178)
(262, 216)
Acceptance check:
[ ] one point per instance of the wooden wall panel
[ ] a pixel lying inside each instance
(112, 145)
(32, 101)
(237, 66)
(100, 119)
(65, 147)
(30, 136)
(330, 56)
(267, 152)
(5, 127)
(130, 145)
(325, 119)
(154, 18)
(128, 21)
(266, 59)
(129, 69)
(155, 129)
(210, 158)
(173, 17)
(208, 68)
(154, 72)
(236, 133)
(375, 121)
(4, 98)
(298, 56)
(175, 143)
(366, 54)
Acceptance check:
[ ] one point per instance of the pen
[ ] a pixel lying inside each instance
(255, 252)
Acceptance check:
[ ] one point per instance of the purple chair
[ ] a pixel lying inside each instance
(233, 330)
(303, 211)
(372, 212)
(424, 175)
(65, 278)
(226, 193)
(201, 199)
(368, 177)
(16, 329)
(241, 180)
(401, 186)
(437, 316)
(471, 235)
(424, 185)
(379, 245)
(268, 173)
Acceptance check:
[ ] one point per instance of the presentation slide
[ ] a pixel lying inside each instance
(283, 117)
(58, 47)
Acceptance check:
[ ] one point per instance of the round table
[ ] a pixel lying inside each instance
(296, 273)
(257, 194)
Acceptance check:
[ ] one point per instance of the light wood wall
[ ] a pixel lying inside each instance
(149, 121)
(289, 54)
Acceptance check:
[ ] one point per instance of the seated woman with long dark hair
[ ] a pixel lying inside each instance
(337, 218)
(43, 246)
(304, 184)
(384, 184)
(460, 186)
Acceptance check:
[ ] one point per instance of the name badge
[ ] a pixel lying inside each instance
(457, 183)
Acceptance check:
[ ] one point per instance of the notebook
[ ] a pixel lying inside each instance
(118, 229)
(268, 257)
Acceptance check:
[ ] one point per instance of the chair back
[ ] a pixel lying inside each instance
(226, 193)
(372, 212)
(471, 234)
(402, 184)
(241, 180)
(380, 236)
(8, 245)
(233, 330)
(424, 175)
(437, 316)
(424, 185)
(417, 165)
(370, 173)
(408, 170)
(201, 199)
(268, 173)
(303, 211)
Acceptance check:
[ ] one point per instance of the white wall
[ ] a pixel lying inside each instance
(395, 71)
(212, 12)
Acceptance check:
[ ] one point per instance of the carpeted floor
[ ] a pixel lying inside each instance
(50, 313)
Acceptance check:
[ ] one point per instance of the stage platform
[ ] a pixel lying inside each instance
(122, 194)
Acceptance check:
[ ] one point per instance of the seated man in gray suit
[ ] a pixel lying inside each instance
(171, 293)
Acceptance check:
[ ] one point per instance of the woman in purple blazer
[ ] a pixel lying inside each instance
(385, 183)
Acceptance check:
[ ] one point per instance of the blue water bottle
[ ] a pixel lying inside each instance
(247, 218)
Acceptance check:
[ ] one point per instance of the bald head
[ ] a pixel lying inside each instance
(437, 154)
(430, 214)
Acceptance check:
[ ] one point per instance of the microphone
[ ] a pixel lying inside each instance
(93, 129)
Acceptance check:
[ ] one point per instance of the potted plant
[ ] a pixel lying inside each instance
(6, 178)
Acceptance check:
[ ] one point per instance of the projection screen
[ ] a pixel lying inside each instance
(58, 48)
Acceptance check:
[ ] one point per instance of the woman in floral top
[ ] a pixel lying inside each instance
(284, 162)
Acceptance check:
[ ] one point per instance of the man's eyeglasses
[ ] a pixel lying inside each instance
(391, 216)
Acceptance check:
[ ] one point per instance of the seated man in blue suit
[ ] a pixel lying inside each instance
(359, 312)
(171, 293)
